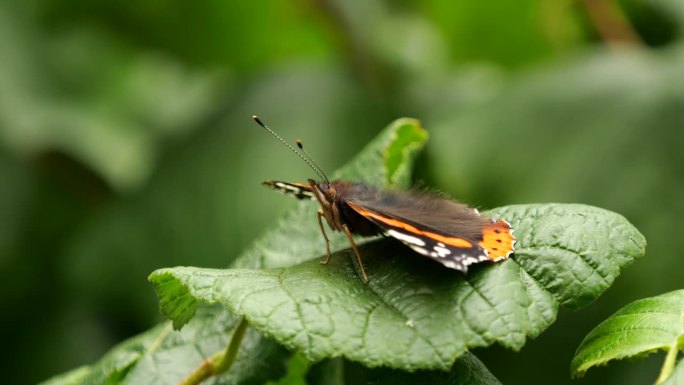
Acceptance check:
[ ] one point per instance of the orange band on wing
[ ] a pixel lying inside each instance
(498, 240)
(456, 242)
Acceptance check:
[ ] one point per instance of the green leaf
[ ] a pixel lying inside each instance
(469, 370)
(176, 354)
(574, 251)
(567, 254)
(466, 370)
(640, 328)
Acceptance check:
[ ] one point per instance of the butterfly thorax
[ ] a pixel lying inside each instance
(333, 197)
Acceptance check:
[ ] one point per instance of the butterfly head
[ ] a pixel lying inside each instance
(323, 191)
(327, 196)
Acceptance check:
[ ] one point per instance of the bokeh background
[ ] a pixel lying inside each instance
(126, 142)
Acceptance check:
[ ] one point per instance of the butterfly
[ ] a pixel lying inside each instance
(434, 226)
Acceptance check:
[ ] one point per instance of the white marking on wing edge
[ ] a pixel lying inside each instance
(419, 250)
(470, 260)
(441, 251)
(406, 238)
(292, 188)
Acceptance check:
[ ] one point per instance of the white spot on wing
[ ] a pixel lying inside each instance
(419, 250)
(441, 251)
(411, 240)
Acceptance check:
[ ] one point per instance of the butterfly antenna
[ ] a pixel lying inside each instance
(310, 163)
(301, 147)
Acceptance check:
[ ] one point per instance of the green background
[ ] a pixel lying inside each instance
(126, 143)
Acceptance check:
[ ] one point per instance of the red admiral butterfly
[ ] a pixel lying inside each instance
(451, 233)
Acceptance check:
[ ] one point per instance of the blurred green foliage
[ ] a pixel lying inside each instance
(126, 144)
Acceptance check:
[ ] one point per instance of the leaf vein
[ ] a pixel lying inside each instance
(586, 261)
(298, 309)
(407, 318)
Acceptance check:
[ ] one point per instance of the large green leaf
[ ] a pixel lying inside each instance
(388, 160)
(642, 327)
(566, 254)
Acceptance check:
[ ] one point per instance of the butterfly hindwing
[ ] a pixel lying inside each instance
(450, 250)
(498, 240)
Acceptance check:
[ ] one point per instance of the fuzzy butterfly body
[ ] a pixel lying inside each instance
(449, 232)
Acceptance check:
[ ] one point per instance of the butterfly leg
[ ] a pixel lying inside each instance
(327, 241)
(364, 277)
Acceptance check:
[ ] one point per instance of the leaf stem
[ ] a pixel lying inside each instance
(671, 357)
(219, 362)
(669, 363)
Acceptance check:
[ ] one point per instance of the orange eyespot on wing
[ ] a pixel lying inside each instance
(498, 240)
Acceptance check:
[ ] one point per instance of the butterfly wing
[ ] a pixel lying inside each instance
(452, 251)
(297, 190)
(498, 240)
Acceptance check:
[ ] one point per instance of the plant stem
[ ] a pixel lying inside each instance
(221, 361)
(669, 363)
(611, 22)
